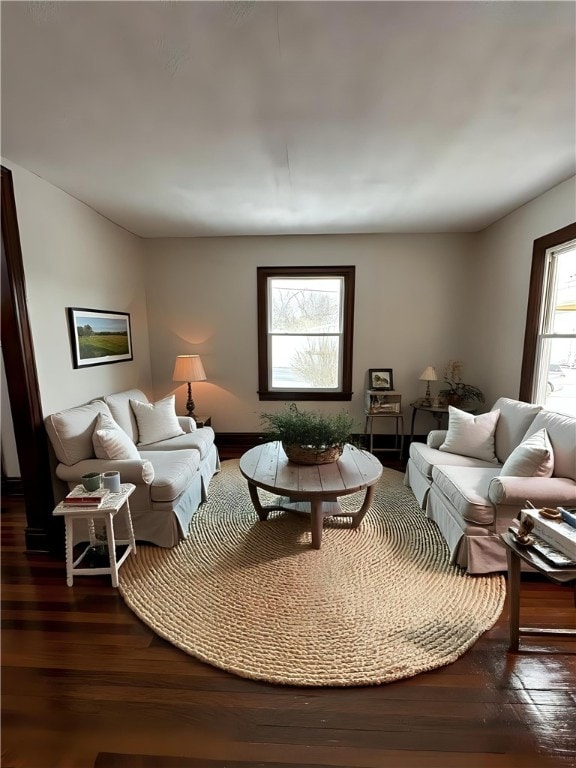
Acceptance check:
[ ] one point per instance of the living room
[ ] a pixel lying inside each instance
(443, 274)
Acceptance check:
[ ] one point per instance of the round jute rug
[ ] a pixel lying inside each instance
(374, 604)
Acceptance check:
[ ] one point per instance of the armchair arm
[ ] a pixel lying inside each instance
(187, 423)
(540, 491)
(436, 437)
(137, 471)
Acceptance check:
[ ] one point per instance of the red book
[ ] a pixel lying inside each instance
(81, 498)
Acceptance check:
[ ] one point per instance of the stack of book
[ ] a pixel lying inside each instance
(80, 498)
(557, 533)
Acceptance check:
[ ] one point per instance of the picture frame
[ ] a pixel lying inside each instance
(99, 337)
(381, 378)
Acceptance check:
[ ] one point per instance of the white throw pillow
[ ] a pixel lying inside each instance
(534, 457)
(470, 435)
(110, 441)
(156, 421)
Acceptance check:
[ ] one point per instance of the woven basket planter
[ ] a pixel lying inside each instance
(302, 454)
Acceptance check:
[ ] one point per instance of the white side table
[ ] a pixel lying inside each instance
(114, 503)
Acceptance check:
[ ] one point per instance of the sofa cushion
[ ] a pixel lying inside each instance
(70, 431)
(561, 430)
(121, 410)
(467, 490)
(173, 472)
(201, 440)
(156, 421)
(471, 435)
(426, 458)
(513, 422)
(534, 457)
(110, 441)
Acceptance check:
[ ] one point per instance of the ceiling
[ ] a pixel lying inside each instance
(179, 119)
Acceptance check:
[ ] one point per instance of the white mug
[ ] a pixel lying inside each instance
(111, 480)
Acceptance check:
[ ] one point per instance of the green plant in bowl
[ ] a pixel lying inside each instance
(309, 429)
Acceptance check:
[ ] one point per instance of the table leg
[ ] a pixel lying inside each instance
(261, 512)
(69, 551)
(128, 516)
(357, 517)
(112, 549)
(412, 425)
(513, 598)
(316, 522)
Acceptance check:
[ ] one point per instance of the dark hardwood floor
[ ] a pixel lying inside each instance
(85, 683)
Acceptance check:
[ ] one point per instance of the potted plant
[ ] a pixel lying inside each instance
(307, 437)
(457, 392)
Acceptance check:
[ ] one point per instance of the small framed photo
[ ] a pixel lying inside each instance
(380, 378)
(99, 337)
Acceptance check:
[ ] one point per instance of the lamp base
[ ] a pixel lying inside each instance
(427, 402)
(190, 403)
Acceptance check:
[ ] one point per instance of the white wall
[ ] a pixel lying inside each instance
(420, 300)
(500, 281)
(412, 295)
(73, 257)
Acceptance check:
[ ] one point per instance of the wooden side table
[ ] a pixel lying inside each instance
(399, 437)
(437, 412)
(113, 504)
(203, 421)
(516, 555)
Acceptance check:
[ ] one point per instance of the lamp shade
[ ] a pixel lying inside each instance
(188, 368)
(429, 374)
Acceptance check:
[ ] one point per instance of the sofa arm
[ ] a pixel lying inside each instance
(540, 491)
(187, 423)
(137, 471)
(436, 437)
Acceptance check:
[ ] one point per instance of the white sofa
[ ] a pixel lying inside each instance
(171, 476)
(473, 502)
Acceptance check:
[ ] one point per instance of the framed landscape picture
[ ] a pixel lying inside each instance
(380, 378)
(99, 337)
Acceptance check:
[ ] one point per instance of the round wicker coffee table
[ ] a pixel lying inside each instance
(310, 489)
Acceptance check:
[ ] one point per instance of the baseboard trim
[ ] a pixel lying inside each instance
(231, 445)
(12, 486)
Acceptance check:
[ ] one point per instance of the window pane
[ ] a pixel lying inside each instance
(305, 362)
(563, 319)
(555, 380)
(311, 305)
(559, 383)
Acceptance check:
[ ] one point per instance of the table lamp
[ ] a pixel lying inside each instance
(428, 375)
(189, 368)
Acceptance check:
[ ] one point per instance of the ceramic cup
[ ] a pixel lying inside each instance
(111, 480)
(91, 481)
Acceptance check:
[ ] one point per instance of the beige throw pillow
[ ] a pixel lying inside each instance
(534, 457)
(156, 421)
(110, 441)
(470, 435)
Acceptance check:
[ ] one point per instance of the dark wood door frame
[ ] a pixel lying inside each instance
(22, 379)
(535, 299)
